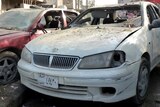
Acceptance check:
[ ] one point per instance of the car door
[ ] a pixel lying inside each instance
(47, 19)
(152, 15)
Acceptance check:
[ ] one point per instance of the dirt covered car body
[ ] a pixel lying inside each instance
(107, 56)
(18, 27)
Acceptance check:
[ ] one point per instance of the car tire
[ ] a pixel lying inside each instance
(142, 83)
(8, 67)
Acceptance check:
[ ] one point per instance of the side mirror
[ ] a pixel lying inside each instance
(39, 27)
(155, 24)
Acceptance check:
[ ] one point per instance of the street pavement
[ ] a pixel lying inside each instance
(12, 95)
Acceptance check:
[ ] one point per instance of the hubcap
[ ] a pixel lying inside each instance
(7, 70)
(143, 81)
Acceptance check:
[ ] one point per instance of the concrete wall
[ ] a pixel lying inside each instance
(0, 6)
(59, 3)
(9, 4)
(69, 3)
(105, 2)
(126, 1)
(51, 1)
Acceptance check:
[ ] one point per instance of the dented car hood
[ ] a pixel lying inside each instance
(80, 41)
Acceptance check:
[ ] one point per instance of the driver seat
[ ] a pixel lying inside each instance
(55, 23)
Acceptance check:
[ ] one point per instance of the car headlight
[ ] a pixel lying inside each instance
(26, 55)
(103, 60)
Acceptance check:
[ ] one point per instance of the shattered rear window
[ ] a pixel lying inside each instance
(18, 19)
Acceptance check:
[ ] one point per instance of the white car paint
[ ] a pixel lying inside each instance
(88, 84)
(81, 38)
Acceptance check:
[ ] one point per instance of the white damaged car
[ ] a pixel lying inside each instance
(106, 55)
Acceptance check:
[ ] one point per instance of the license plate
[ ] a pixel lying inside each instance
(46, 80)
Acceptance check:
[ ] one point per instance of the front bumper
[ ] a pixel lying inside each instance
(101, 85)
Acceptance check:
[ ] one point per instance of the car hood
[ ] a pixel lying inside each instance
(4, 32)
(80, 41)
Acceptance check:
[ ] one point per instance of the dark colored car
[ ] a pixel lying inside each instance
(18, 27)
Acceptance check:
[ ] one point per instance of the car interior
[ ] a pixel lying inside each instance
(110, 16)
(53, 19)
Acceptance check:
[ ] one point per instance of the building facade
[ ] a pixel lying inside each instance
(9, 4)
(71, 4)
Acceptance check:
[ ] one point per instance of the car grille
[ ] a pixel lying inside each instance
(55, 61)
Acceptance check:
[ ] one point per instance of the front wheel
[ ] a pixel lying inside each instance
(8, 67)
(143, 82)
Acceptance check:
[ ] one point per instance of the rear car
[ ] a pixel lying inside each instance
(18, 27)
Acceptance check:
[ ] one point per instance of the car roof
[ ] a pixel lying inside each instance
(124, 4)
(23, 9)
(43, 9)
(58, 9)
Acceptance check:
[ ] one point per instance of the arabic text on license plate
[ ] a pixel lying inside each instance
(48, 81)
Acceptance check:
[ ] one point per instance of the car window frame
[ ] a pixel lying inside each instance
(156, 11)
(51, 12)
(151, 13)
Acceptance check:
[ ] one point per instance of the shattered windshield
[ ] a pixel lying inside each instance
(18, 19)
(120, 16)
